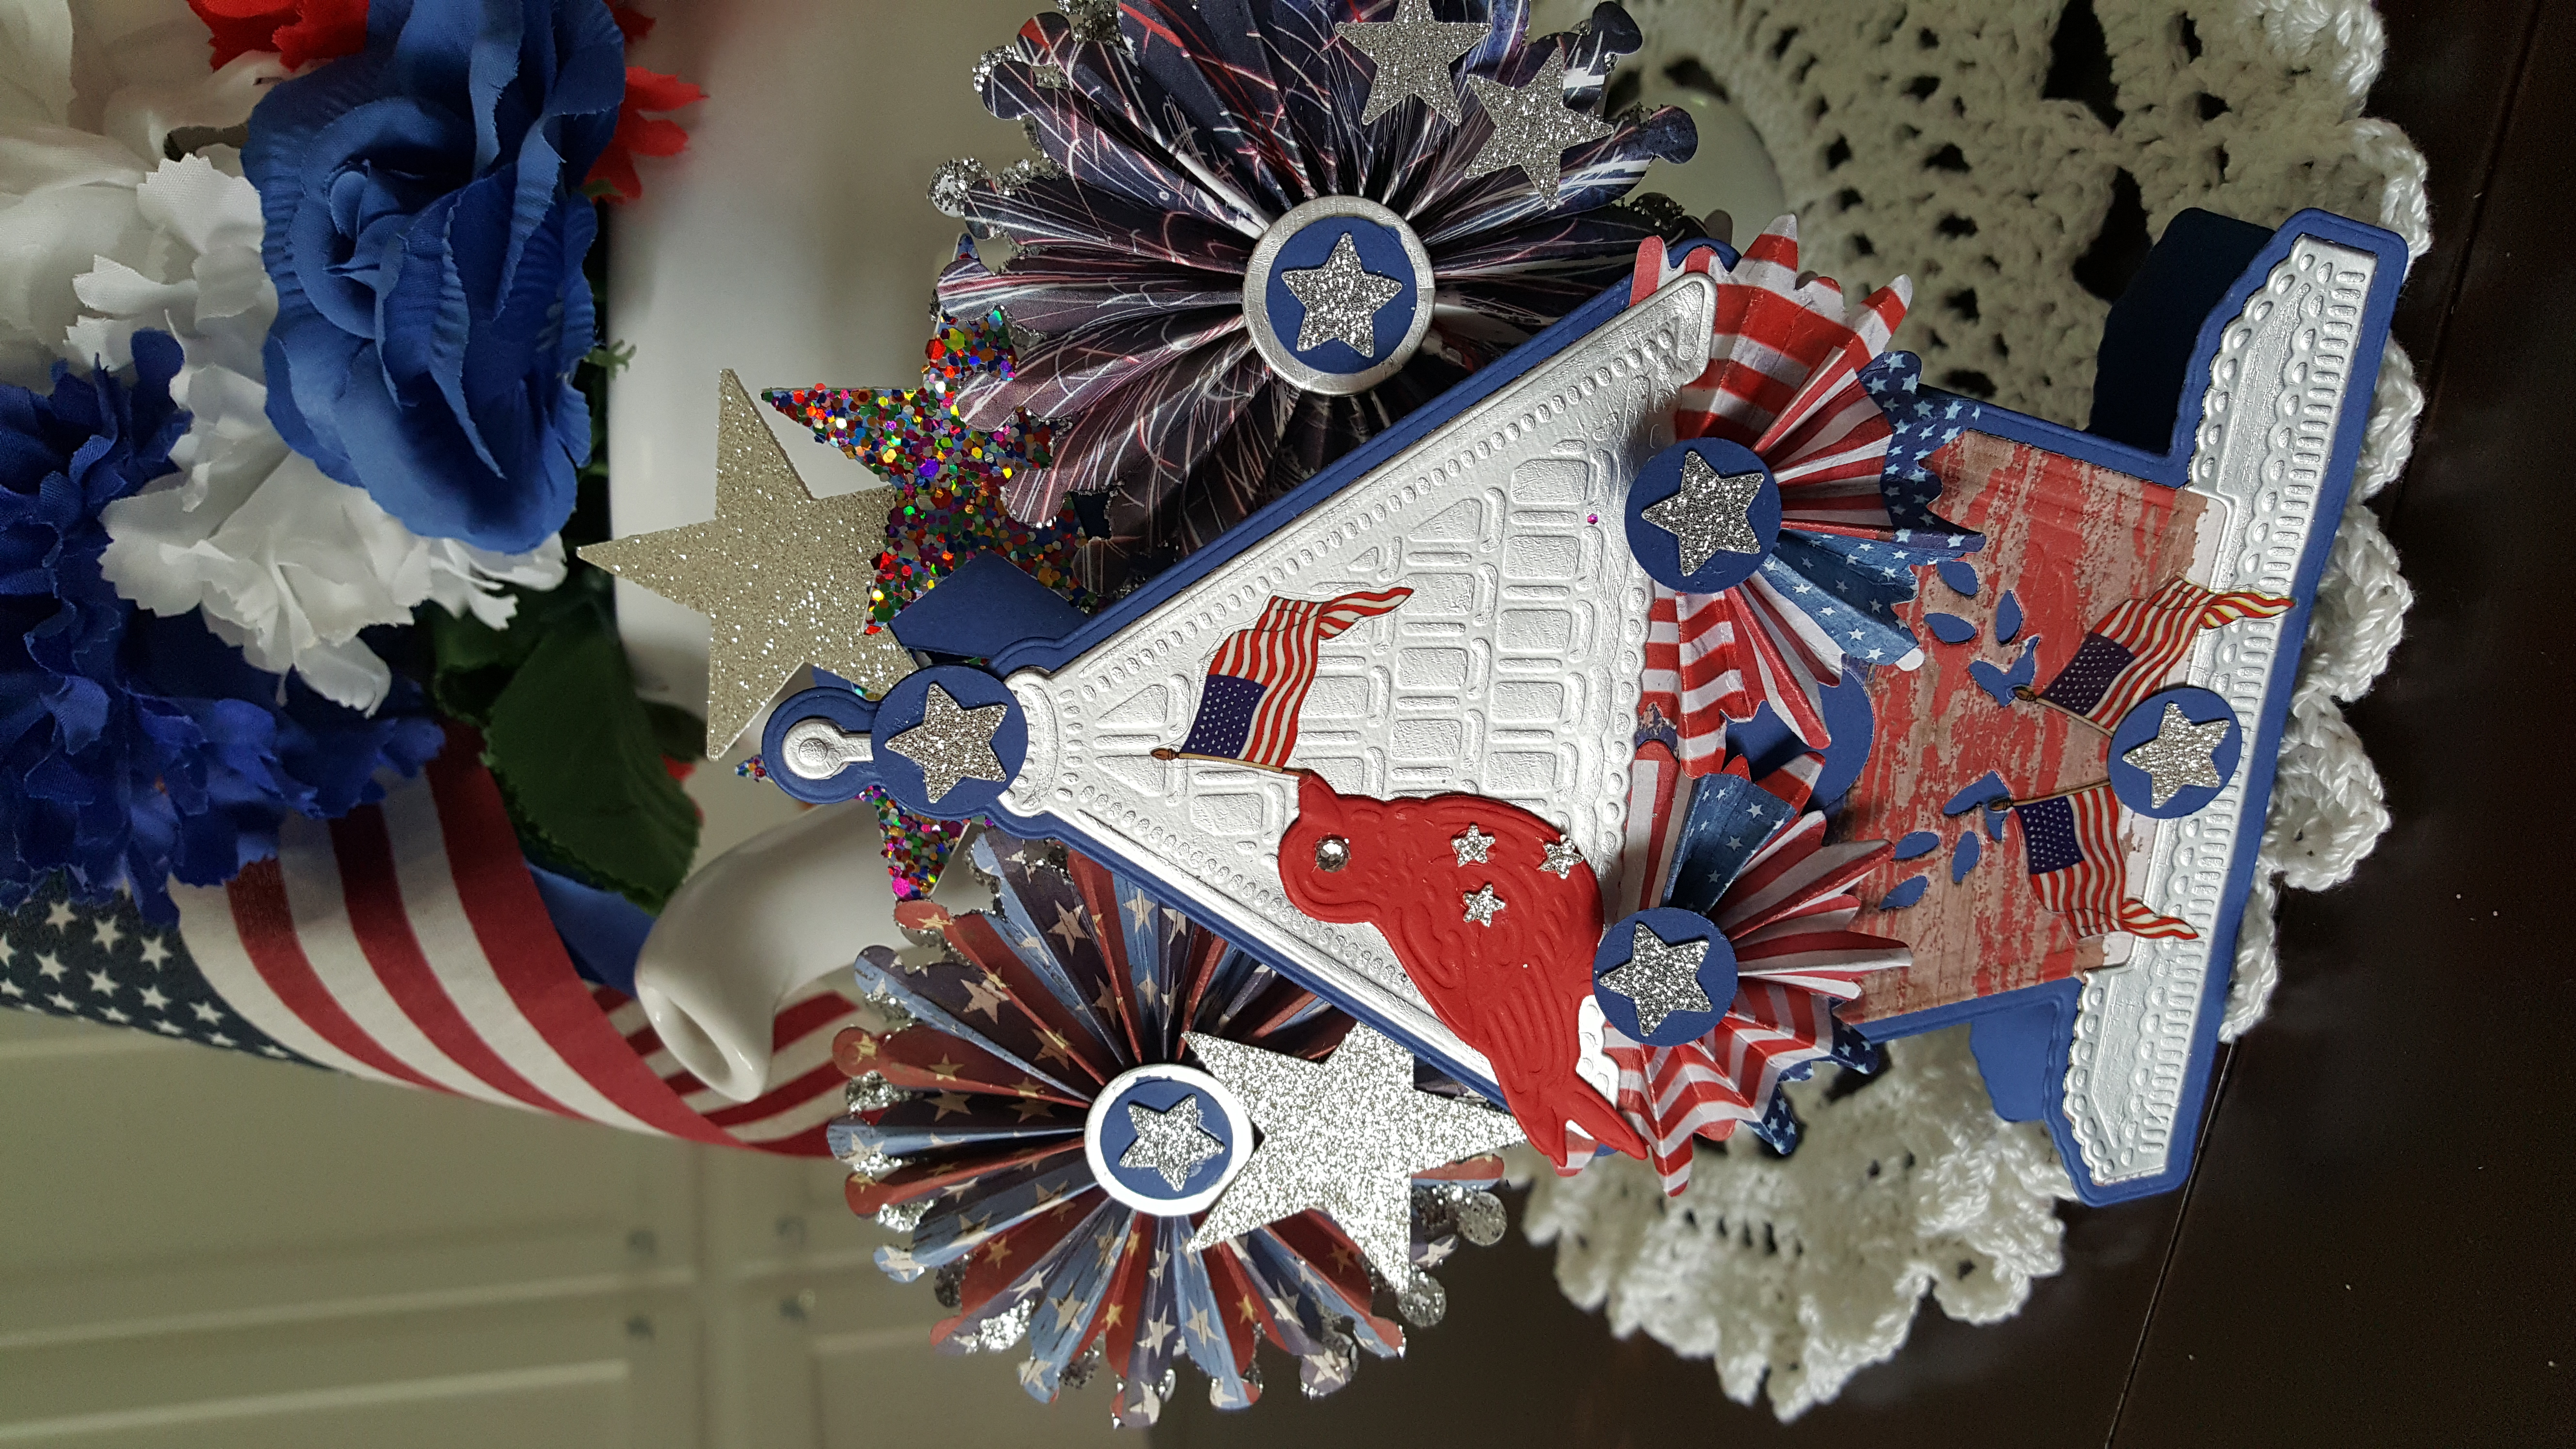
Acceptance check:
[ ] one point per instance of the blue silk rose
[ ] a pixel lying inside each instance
(425, 230)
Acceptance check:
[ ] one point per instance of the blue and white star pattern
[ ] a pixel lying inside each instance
(103, 963)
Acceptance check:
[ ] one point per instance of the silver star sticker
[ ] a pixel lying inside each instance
(1472, 847)
(1660, 976)
(1172, 1142)
(1533, 126)
(1561, 858)
(1342, 299)
(1346, 1134)
(1413, 53)
(1710, 514)
(952, 744)
(1482, 903)
(2179, 756)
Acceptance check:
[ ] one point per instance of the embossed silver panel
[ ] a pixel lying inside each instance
(2277, 390)
(1511, 672)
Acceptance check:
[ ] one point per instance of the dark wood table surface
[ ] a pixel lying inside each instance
(2375, 1244)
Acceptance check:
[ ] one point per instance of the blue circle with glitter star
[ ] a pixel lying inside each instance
(2143, 722)
(1118, 1133)
(902, 708)
(1381, 252)
(1674, 926)
(1660, 553)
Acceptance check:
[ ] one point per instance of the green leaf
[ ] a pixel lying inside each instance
(580, 765)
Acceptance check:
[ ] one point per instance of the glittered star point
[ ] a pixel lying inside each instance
(1172, 1142)
(1342, 298)
(783, 577)
(1660, 976)
(1560, 858)
(1481, 904)
(1413, 54)
(1347, 1135)
(1473, 847)
(2180, 756)
(1533, 126)
(1710, 515)
(952, 743)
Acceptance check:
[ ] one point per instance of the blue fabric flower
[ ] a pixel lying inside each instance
(133, 747)
(425, 231)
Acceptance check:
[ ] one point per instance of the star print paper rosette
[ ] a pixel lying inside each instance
(1114, 1138)
(1256, 240)
(1783, 532)
(1722, 983)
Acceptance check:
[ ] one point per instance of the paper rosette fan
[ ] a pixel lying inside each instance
(1805, 395)
(1033, 1081)
(1209, 166)
(1750, 857)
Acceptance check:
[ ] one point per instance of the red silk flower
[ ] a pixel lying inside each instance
(640, 133)
(299, 31)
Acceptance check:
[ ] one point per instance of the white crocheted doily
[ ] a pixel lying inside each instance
(1938, 138)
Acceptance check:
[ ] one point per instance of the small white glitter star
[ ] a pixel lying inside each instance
(1561, 858)
(952, 744)
(1710, 514)
(60, 915)
(2179, 757)
(1472, 846)
(1342, 298)
(1172, 1142)
(1481, 904)
(1660, 976)
(1414, 54)
(1533, 126)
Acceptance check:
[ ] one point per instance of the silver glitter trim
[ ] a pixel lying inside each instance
(1423, 1302)
(1093, 20)
(990, 61)
(1002, 1330)
(950, 183)
(1342, 299)
(872, 1092)
(1660, 977)
(871, 1164)
(2179, 757)
(952, 744)
(1710, 515)
(903, 1217)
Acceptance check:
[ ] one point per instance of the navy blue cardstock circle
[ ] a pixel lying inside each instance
(843, 707)
(2140, 724)
(1118, 1133)
(1382, 252)
(1675, 925)
(902, 708)
(1661, 554)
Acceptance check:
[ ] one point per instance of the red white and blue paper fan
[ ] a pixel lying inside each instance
(1809, 390)
(1750, 857)
(1029, 1121)
(1189, 147)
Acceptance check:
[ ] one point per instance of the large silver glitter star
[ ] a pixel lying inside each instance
(1413, 53)
(2179, 757)
(1660, 976)
(952, 744)
(1472, 847)
(1533, 126)
(1342, 299)
(1711, 514)
(1172, 1142)
(1481, 904)
(1346, 1134)
(1560, 858)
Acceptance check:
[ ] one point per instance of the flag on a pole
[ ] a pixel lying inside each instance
(2128, 655)
(1260, 676)
(2079, 869)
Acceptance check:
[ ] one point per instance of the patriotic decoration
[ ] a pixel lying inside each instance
(1809, 389)
(969, 1138)
(2080, 869)
(1260, 677)
(1751, 856)
(1175, 136)
(2130, 653)
(405, 942)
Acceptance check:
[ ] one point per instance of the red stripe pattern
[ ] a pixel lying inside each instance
(406, 943)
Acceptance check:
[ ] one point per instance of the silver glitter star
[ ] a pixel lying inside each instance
(1472, 847)
(1342, 299)
(1346, 1134)
(952, 744)
(1413, 53)
(1172, 1142)
(1710, 513)
(2179, 756)
(1561, 858)
(1482, 903)
(1660, 976)
(1533, 126)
